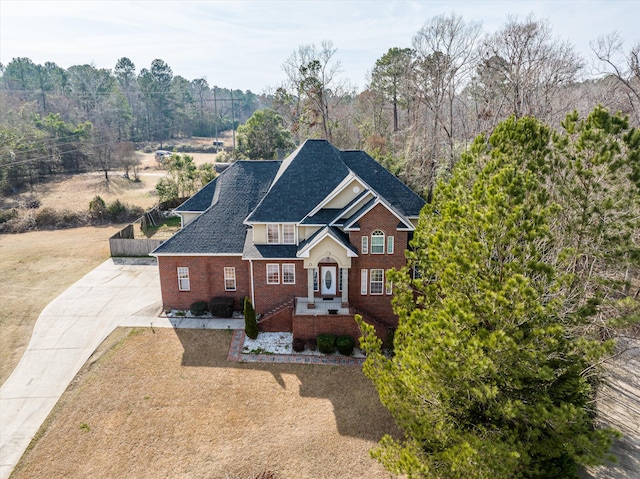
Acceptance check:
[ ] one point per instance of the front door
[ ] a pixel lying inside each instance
(328, 279)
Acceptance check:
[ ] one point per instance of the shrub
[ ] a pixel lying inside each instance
(345, 345)
(326, 343)
(47, 217)
(250, 323)
(7, 215)
(298, 345)
(198, 308)
(116, 210)
(221, 306)
(97, 207)
(388, 340)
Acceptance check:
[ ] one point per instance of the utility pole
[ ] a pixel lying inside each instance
(233, 113)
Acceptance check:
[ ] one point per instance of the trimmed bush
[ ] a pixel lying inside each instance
(326, 343)
(221, 306)
(198, 308)
(345, 345)
(250, 322)
(298, 345)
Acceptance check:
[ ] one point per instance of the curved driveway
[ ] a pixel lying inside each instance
(67, 332)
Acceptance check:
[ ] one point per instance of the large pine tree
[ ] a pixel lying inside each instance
(491, 377)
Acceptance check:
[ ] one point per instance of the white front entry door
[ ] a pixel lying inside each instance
(328, 279)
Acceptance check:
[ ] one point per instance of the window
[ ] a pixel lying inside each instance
(229, 279)
(273, 234)
(288, 274)
(183, 279)
(289, 234)
(316, 285)
(389, 244)
(339, 279)
(273, 274)
(389, 284)
(365, 245)
(363, 281)
(377, 242)
(377, 281)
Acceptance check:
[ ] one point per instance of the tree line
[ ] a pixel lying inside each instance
(57, 120)
(421, 108)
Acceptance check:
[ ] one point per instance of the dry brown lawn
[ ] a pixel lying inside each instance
(36, 267)
(166, 403)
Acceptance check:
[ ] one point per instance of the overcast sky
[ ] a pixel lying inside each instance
(243, 44)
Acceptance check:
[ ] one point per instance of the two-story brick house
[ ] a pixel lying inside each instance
(309, 239)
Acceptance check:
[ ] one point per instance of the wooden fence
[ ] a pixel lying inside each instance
(123, 243)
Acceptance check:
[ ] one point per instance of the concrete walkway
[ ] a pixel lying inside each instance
(67, 332)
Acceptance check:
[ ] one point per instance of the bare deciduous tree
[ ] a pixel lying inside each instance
(524, 64)
(624, 67)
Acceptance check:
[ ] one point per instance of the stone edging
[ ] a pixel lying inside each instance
(236, 355)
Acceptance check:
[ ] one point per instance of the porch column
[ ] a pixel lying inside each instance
(310, 300)
(345, 287)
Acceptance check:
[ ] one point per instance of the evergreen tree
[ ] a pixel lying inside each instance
(489, 378)
(250, 323)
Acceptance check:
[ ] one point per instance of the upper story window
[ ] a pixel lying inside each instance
(273, 233)
(377, 242)
(389, 244)
(289, 234)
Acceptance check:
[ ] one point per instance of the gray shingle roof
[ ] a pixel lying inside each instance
(201, 200)
(281, 192)
(220, 229)
(305, 178)
(383, 182)
(267, 251)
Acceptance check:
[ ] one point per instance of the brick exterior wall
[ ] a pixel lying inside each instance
(307, 327)
(206, 278)
(277, 322)
(269, 296)
(379, 218)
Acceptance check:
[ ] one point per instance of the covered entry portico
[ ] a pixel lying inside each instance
(327, 259)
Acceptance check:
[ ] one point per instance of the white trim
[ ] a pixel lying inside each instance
(381, 282)
(304, 252)
(295, 233)
(184, 282)
(277, 265)
(277, 226)
(383, 245)
(294, 273)
(368, 196)
(364, 282)
(384, 203)
(253, 291)
(235, 281)
(336, 191)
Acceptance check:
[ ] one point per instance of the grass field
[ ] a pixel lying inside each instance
(37, 266)
(166, 403)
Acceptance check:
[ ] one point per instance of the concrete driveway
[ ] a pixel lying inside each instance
(67, 332)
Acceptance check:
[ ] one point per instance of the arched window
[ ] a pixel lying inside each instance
(377, 242)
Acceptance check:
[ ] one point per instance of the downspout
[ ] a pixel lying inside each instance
(252, 288)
